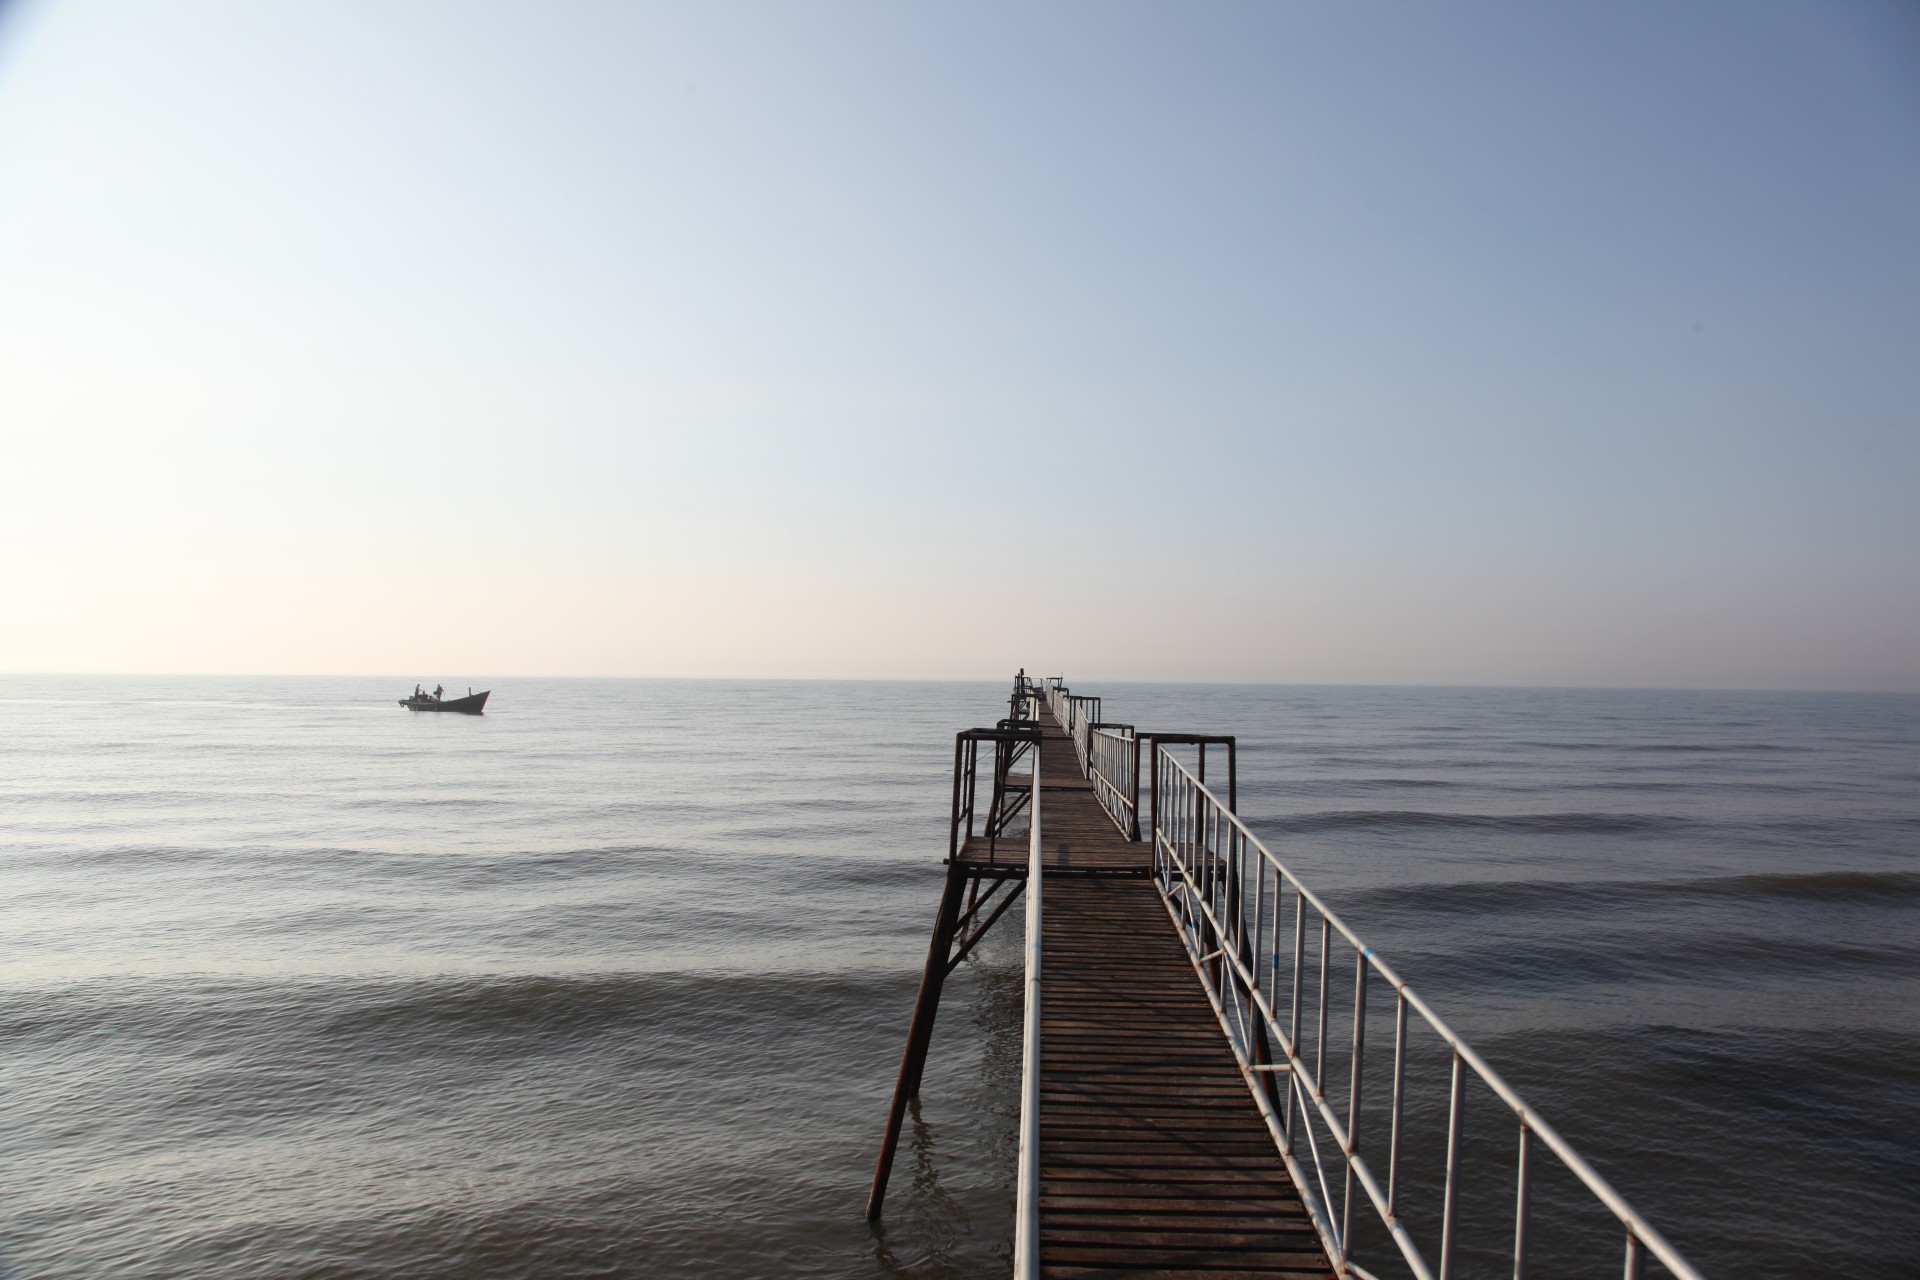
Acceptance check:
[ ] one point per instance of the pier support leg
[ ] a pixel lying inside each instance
(913, 1061)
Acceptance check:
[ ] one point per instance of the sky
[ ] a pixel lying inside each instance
(1294, 341)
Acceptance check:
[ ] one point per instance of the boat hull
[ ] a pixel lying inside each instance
(471, 705)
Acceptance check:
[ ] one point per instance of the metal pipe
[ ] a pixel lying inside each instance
(1522, 1196)
(1320, 1022)
(1354, 1064)
(1456, 1102)
(1299, 964)
(1399, 1102)
(1026, 1241)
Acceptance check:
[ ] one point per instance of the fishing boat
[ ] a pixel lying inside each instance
(473, 704)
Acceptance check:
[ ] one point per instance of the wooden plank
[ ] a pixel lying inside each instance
(1154, 1160)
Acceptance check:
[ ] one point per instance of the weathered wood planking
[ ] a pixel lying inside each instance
(1076, 833)
(1154, 1159)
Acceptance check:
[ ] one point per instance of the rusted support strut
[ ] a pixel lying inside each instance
(962, 904)
(949, 925)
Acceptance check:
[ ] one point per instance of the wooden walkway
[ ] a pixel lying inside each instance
(1154, 1160)
(1142, 1149)
(1076, 833)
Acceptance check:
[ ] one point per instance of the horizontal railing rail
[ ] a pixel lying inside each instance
(1267, 951)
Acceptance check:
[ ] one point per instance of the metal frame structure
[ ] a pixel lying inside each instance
(1247, 922)
(975, 896)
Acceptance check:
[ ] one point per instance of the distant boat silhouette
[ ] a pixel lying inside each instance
(473, 704)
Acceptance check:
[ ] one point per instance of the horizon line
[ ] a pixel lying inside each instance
(1129, 680)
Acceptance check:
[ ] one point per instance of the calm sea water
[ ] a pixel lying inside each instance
(612, 981)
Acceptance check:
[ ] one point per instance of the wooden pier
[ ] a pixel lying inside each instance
(1197, 1047)
(1154, 1159)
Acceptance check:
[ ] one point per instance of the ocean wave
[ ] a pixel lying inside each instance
(1358, 784)
(1521, 823)
(1626, 956)
(1870, 888)
(345, 1010)
(1630, 748)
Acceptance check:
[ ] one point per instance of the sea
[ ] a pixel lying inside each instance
(612, 981)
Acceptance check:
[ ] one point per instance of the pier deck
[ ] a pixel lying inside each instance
(1077, 835)
(1154, 1160)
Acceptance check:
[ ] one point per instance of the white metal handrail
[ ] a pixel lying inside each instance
(1077, 715)
(1113, 766)
(1227, 894)
(1026, 1231)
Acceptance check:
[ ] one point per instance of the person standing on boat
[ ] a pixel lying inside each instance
(437, 690)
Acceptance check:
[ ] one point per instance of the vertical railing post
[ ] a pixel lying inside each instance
(1522, 1197)
(1320, 1015)
(1353, 1090)
(1399, 1103)
(1153, 791)
(954, 838)
(1133, 785)
(1450, 1200)
(1636, 1268)
(1299, 965)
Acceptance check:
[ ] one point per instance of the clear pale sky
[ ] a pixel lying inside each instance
(1295, 341)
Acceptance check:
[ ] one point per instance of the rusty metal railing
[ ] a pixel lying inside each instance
(1267, 951)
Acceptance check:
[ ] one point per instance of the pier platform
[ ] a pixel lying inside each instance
(1198, 1044)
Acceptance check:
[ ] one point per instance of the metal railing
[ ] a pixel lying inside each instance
(1081, 715)
(997, 817)
(1112, 756)
(1268, 951)
(1073, 712)
(1026, 1211)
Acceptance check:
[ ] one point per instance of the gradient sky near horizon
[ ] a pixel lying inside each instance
(1492, 343)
